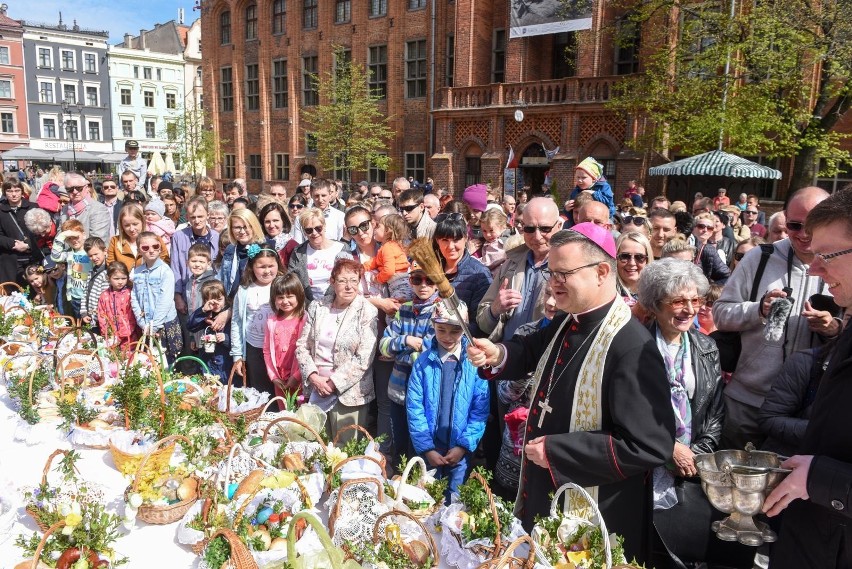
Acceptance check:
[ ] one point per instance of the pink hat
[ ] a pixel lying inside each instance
(597, 235)
(476, 197)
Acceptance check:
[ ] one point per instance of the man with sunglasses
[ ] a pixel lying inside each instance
(109, 197)
(785, 275)
(414, 213)
(750, 214)
(94, 215)
(514, 297)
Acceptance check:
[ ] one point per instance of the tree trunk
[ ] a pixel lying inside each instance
(805, 169)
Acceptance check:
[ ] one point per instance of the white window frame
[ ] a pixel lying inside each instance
(8, 57)
(145, 121)
(129, 87)
(97, 64)
(97, 86)
(121, 119)
(63, 83)
(14, 121)
(100, 123)
(74, 119)
(73, 59)
(38, 56)
(167, 92)
(57, 124)
(11, 81)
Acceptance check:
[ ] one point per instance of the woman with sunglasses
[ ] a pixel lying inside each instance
(295, 206)
(313, 260)
(124, 246)
(468, 276)
(633, 255)
(243, 230)
(673, 292)
(707, 257)
(744, 248)
(636, 220)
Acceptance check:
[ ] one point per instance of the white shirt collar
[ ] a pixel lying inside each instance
(444, 355)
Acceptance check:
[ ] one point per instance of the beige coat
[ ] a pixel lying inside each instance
(514, 269)
(353, 353)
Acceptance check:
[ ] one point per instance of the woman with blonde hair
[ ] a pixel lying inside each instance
(124, 247)
(243, 230)
(633, 255)
(313, 260)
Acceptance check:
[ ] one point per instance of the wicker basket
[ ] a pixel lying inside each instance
(495, 550)
(295, 421)
(363, 431)
(68, 366)
(36, 563)
(430, 541)
(80, 335)
(192, 395)
(31, 511)
(156, 514)
(4, 288)
(126, 462)
(339, 466)
(399, 505)
(298, 523)
(335, 511)
(241, 557)
(509, 561)
(249, 416)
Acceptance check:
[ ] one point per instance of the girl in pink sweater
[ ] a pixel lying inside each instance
(115, 315)
(283, 328)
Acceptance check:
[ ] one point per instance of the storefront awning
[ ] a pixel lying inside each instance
(26, 153)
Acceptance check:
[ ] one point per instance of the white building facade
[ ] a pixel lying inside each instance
(146, 89)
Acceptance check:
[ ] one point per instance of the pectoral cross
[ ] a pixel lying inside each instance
(545, 409)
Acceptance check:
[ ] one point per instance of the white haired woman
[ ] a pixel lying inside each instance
(673, 291)
(40, 223)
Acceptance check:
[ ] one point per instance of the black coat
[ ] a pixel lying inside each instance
(711, 264)
(12, 228)
(817, 532)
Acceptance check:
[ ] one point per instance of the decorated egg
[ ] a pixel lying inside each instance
(263, 515)
(231, 489)
(255, 441)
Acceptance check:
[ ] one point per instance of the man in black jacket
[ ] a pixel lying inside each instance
(18, 246)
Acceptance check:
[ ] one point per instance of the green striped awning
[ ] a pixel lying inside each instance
(716, 163)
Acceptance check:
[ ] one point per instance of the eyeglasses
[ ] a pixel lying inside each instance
(296, 206)
(738, 256)
(347, 282)
(385, 196)
(154, 247)
(74, 189)
(311, 230)
(239, 229)
(109, 186)
(636, 220)
(363, 227)
(418, 280)
(639, 258)
(749, 212)
(544, 229)
(703, 226)
(680, 303)
(562, 276)
(455, 216)
(409, 208)
(375, 194)
(794, 225)
(826, 257)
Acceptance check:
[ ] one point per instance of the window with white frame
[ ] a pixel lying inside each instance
(94, 130)
(5, 88)
(67, 57)
(90, 62)
(92, 96)
(45, 57)
(48, 128)
(150, 129)
(45, 92)
(72, 129)
(7, 123)
(171, 100)
(69, 94)
(127, 128)
(147, 73)
(149, 98)
(125, 96)
(4, 54)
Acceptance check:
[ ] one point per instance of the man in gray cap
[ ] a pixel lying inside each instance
(134, 162)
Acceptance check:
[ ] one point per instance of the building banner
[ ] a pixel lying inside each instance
(540, 17)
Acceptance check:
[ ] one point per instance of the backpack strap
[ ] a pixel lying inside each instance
(766, 251)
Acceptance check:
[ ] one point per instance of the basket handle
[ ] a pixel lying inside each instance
(430, 539)
(43, 542)
(337, 467)
(155, 368)
(30, 383)
(582, 492)
(77, 332)
(158, 445)
(353, 427)
(332, 518)
(334, 554)
(4, 286)
(299, 422)
(190, 359)
(492, 506)
(271, 401)
(230, 387)
(92, 354)
(240, 557)
(403, 480)
(231, 453)
(49, 462)
(503, 561)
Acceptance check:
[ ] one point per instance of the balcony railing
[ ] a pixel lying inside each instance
(552, 92)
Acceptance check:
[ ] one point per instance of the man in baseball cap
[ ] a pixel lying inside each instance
(134, 162)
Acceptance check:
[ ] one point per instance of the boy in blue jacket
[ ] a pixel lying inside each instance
(447, 401)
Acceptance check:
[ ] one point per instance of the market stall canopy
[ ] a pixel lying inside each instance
(716, 163)
(26, 153)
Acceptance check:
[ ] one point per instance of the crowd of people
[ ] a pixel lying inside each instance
(614, 341)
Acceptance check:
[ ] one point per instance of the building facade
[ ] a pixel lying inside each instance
(147, 88)
(14, 128)
(67, 64)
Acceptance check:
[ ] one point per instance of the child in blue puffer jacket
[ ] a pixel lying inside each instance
(447, 401)
(588, 176)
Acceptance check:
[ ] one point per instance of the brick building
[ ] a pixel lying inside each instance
(14, 130)
(460, 90)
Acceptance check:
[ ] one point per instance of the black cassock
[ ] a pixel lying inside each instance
(637, 424)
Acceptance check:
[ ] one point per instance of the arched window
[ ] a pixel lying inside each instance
(251, 22)
(225, 27)
(279, 13)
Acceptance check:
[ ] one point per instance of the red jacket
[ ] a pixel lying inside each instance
(115, 316)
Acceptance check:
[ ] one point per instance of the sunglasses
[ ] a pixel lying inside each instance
(636, 220)
(375, 195)
(74, 189)
(544, 229)
(680, 303)
(455, 216)
(418, 280)
(639, 258)
(739, 256)
(747, 212)
(794, 225)
(311, 230)
(703, 226)
(296, 206)
(409, 208)
(154, 247)
(363, 227)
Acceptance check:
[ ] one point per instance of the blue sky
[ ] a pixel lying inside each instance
(116, 16)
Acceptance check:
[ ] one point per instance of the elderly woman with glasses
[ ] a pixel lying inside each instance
(217, 215)
(243, 230)
(673, 291)
(313, 260)
(336, 348)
